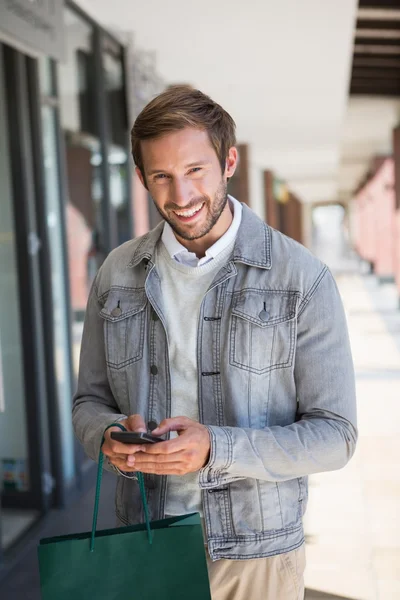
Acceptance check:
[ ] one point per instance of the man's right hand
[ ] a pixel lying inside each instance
(119, 454)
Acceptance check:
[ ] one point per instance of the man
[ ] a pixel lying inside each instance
(232, 338)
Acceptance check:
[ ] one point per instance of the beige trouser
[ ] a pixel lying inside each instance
(274, 578)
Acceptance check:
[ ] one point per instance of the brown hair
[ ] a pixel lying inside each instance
(181, 106)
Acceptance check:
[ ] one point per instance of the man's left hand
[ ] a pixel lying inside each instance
(187, 453)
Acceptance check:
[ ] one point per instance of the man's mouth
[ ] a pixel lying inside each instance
(186, 215)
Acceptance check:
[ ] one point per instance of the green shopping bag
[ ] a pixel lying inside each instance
(162, 560)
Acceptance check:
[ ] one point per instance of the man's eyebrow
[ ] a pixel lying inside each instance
(196, 163)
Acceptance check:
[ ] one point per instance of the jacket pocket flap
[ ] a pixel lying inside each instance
(265, 308)
(123, 303)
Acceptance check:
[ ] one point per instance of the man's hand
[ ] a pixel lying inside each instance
(118, 453)
(187, 453)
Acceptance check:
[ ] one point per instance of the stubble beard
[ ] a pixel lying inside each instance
(214, 209)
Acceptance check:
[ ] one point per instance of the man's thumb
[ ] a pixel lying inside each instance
(174, 424)
(136, 423)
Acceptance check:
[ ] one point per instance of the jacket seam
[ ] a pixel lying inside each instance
(122, 287)
(312, 291)
(136, 253)
(287, 292)
(267, 252)
(223, 554)
(256, 536)
(121, 518)
(96, 289)
(228, 461)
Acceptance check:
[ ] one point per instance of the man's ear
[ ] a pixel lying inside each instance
(231, 162)
(141, 177)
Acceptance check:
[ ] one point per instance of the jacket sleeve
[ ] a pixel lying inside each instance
(94, 406)
(324, 437)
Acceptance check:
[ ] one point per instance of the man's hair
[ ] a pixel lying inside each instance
(181, 106)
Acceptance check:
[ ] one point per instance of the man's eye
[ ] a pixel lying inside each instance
(160, 176)
(195, 169)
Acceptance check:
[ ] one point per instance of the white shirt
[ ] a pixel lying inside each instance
(182, 255)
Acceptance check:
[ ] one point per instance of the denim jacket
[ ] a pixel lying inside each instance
(275, 383)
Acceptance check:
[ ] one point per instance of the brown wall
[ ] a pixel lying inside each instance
(80, 222)
(271, 205)
(238, 185)
(293, 218)
(287, 216)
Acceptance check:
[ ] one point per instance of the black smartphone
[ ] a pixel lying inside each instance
(133, 437)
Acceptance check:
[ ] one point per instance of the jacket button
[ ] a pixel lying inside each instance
(264, 315)
(153, 370)
(116, 312)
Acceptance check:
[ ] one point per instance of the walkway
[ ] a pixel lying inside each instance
(353, 518)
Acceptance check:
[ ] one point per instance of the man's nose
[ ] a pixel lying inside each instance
(181, 192)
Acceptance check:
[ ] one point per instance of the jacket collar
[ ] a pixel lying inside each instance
(252, 246)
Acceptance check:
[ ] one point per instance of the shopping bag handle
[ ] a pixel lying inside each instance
(98, 487)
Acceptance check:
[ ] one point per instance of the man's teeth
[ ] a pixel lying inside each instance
(189, 213)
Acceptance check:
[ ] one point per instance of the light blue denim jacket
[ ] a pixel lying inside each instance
(275, 383)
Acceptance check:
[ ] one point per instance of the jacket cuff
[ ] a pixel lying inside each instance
(221, 455)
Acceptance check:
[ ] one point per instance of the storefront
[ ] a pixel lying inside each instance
(66, 180)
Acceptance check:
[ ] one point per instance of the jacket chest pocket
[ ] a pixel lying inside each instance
(263, 330)
(124, 326)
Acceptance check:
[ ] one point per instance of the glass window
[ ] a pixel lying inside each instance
(117, 155)
(14, 453)
(58, 284)
(84, 223)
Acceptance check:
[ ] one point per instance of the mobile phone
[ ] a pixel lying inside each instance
(134, 437)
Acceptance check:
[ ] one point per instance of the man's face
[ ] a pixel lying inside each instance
(183, 175)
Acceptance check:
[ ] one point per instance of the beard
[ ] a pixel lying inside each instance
(214, 208)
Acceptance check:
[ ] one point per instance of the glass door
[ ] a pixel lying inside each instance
(53, 222)
(14, 448)
(26, 482)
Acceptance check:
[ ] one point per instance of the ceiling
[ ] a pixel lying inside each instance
(373, 109)
(376, 57)
(282, 69)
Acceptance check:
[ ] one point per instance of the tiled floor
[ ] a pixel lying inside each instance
(14, 523)
(22, 583)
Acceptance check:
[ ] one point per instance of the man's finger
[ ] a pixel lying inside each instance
(136, 423)
(143, 459)
(173, 424)
(162, 469)
(168, 447)
(122, 465)
(120, 448)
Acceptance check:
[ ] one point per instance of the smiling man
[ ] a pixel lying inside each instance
(232, 338)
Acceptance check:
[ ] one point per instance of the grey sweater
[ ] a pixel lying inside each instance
(183, 289)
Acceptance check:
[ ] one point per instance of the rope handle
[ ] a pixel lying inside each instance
(98, 487)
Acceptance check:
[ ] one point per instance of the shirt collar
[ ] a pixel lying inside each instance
(181, 254)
